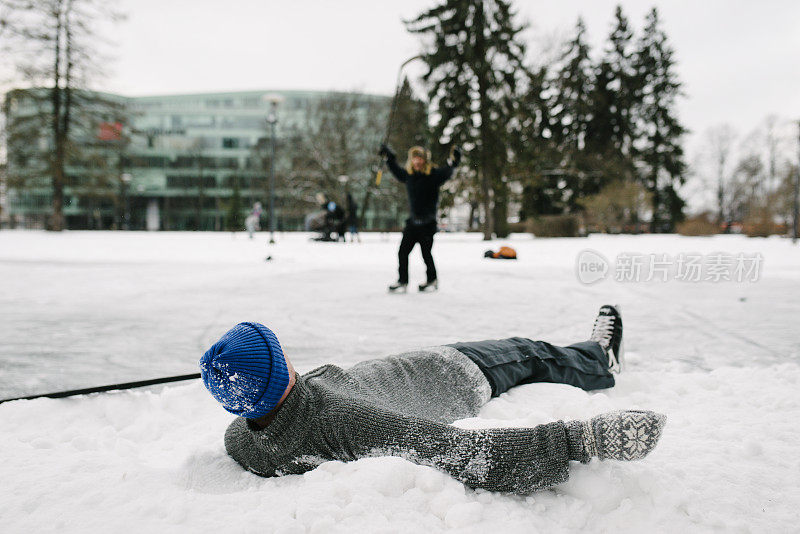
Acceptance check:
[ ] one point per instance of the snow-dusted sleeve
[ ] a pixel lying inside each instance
(319, 424)
(516, 460)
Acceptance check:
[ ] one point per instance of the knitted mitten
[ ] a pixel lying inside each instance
(622, 435)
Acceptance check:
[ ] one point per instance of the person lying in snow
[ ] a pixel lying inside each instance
(402, 406)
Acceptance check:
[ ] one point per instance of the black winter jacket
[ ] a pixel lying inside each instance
(423, 189)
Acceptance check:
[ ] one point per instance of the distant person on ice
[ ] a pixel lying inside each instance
(352, 218)
(403, 405)
(422, 180)
(253, 221)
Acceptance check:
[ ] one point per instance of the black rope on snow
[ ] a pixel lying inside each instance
(110, 387)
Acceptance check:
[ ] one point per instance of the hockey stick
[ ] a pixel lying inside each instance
(110, 387)
(392, 112)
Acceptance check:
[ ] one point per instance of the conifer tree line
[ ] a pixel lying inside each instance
(584, 131)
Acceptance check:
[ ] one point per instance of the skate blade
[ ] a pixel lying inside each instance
(621, 355)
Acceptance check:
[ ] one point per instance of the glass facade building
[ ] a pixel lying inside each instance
(174, 162)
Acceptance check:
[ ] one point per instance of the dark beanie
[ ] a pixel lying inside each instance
(245, 370)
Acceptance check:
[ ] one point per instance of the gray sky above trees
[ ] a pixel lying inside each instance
(737, 58)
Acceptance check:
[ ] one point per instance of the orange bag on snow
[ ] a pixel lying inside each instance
(505, 253)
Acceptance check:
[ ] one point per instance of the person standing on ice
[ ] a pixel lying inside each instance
(252, 222)
(352, 218)
(403, 405)
(422, 180)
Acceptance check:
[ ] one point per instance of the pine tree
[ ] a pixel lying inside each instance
(554, 158)
(535, 153)
(660, 150)
(473, 71)
(576, 175)
(572, 99)
(611, 130)
(410, 121)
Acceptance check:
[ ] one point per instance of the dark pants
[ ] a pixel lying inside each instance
(413, 234)
(513, 361)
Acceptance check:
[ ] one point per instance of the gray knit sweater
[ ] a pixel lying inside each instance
(402, 406)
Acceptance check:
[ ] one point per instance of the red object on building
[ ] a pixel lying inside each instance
(109, 131)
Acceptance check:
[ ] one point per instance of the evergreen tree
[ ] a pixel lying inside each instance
(474, 68)
(611, 130)
(571, 103)
(533, 150)
(660, 150)
(576, 174)
(410, 121)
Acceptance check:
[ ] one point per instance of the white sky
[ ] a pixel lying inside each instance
(737, 58)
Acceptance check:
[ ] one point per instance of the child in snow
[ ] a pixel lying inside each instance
(422, 180)
(402, 406)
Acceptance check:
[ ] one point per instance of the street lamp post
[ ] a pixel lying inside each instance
(123, 214)
(796, 189)
(272, 120)
(126, 205)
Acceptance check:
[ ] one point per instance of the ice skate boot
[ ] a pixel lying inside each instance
(433, 285)
(607, 333)
(398, 287)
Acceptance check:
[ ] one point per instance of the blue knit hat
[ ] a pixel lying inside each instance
(245, 370)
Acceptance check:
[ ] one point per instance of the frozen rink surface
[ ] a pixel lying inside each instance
(80, 309)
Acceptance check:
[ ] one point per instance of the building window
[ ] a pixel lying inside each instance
(200, 121)
(230, 142)
(244, 123)
(180, 181)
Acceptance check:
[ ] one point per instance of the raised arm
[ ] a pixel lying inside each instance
(445, 173)
(391, 162)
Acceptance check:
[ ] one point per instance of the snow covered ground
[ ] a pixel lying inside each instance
(87, 308)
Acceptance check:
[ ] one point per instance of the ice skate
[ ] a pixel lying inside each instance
(431, 286)
(608, 333)
(398, 287)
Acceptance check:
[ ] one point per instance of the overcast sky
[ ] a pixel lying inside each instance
(738, 59)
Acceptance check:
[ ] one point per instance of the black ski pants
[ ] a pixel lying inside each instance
(514, 361)
(413, 234)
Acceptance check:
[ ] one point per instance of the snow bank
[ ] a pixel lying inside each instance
(89, 308)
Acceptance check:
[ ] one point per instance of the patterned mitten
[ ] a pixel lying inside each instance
(622, 435)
